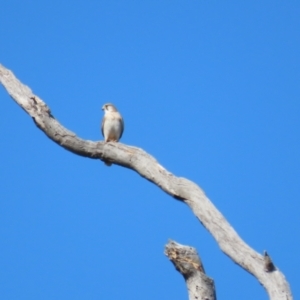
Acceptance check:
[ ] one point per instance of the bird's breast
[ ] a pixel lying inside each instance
(112, 129)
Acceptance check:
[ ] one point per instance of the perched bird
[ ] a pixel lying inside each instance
(112, 124)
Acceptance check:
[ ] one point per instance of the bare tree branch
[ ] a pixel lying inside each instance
(188, 263)
(146, 165)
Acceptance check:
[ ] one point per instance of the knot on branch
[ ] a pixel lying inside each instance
(268, 264)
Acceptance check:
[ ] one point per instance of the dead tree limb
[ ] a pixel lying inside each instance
(144, 164)
(188, 263)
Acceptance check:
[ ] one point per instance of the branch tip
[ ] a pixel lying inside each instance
(185, 258)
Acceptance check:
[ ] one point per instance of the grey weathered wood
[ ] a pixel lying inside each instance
(188, 263)
(147, 166)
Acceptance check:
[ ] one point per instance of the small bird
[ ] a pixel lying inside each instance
(112, 126)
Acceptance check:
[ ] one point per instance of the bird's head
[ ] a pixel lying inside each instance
(109, 107)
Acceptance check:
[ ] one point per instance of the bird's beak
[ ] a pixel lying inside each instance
(102, 107)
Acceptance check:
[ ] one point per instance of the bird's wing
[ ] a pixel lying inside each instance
(122, 126)
(102, 125)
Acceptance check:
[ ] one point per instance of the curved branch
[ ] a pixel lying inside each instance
(146, 165)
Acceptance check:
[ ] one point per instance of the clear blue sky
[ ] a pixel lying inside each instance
(210, 88)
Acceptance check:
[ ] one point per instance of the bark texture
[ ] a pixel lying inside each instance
(188, 263)
(147, 166)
